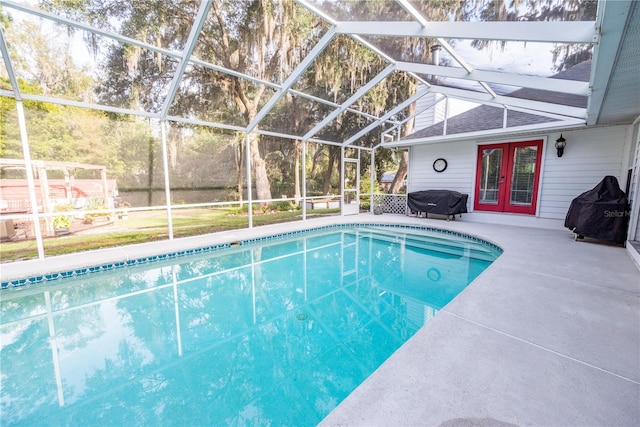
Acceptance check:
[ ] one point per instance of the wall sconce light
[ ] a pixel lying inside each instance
(560, 144)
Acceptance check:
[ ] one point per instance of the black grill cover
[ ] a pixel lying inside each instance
(601, 213)
(442, 202)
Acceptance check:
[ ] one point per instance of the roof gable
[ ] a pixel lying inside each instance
(484, 117)
(487, 117)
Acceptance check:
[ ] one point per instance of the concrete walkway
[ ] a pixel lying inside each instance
(548, 335)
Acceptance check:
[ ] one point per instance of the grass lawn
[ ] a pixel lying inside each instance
(147, 226)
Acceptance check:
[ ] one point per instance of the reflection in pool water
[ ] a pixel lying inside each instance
(276, 332)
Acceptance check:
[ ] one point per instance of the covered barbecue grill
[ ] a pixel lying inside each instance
(601, 213)
(441, 202)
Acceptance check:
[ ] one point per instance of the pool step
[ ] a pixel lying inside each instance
(434, 243)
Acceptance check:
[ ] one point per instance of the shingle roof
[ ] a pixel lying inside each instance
(487, 117)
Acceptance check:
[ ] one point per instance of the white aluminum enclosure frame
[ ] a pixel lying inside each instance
(350, 195)
(605, 46)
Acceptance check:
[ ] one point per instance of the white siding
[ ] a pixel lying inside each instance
(432, 115)
(458, 176)
(589, 156)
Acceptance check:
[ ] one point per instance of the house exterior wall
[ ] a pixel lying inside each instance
(432, 115)
(590, 155)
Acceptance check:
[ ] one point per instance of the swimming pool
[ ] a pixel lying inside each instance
(275, 330)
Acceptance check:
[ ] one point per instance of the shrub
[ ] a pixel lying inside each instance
(95, 204)
(62, 221)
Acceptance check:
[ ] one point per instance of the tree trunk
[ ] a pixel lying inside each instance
(401, 173)
(175, 140)
(238, 151)
(327, 175)
(263, 189)
(316, 159)
(403, 167)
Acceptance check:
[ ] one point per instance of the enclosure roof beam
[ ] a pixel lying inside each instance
(502, 100)
(269, 84)
(454, 54)
(177, 119)
(198, 122)
(387, 115)
(293, 77)
(134, 42)
(353, 98)
(464, 64)
(313, 9)
(166, 52)
(89, 28)
(8, 66)
(330, 104)
(574, 87)
(99, 107)
(490, 134)
(295, 137)
(416, 113)
(529, 31)
(415, 14)
(190, 45)
(423, 22)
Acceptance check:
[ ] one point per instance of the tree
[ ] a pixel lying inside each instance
(45, 68)
(47, 65)
(267, 39)
(261, 38)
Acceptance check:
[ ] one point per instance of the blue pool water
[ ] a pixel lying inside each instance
(276, 332)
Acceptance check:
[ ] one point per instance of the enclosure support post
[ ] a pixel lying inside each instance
(22, 124)
(167, 188)
(342, 180)
(105, 189)
(372, 174)
(46, 200)
(358, 179)
(247, 151)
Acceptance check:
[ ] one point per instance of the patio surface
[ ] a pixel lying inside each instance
(548, 335)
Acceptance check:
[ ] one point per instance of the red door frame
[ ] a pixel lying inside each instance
(506, 173)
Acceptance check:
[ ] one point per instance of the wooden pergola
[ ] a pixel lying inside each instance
(42, 201)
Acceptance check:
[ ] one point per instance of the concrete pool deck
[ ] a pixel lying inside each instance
(548, 335)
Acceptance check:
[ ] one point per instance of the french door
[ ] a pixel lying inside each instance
(507, 177)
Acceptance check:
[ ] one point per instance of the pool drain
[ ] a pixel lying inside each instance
(302, 316)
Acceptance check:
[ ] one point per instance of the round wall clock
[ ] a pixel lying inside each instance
(439, 165)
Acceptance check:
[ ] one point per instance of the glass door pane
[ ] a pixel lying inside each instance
(523, 175)
(490, 169)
